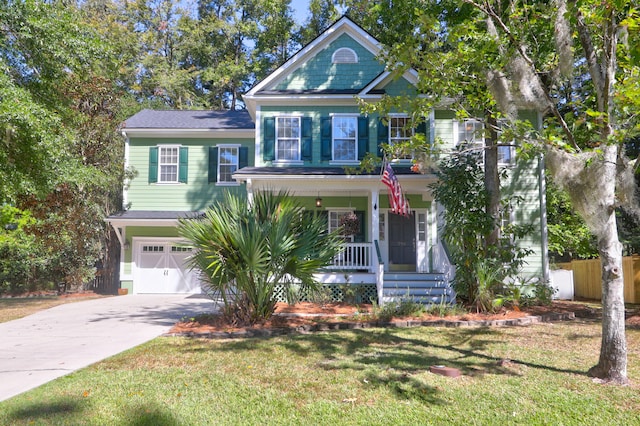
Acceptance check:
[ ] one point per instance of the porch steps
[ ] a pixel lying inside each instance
(429, 288)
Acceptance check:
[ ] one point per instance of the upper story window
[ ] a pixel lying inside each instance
(344, 55)
(225, 160)
(400, 132)
(168, 164)
(345, 138)
(288, 139)
(471, 131)
(228, 160)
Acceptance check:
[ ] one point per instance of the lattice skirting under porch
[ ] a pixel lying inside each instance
(350, 293)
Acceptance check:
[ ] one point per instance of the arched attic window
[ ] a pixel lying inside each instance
(344, 55)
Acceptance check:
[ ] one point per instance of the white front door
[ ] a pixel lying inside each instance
(160, 268)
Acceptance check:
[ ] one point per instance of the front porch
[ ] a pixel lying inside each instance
(358, 275)
(381, 242)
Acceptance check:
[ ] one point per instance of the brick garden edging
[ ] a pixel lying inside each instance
(327, 326)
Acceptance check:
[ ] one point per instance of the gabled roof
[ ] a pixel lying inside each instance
(265, 91)
(186, 119)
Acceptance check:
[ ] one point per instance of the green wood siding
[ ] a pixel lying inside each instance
(197, 193)
(320, 74)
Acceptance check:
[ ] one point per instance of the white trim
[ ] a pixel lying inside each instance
(127, 163)
(410, 75)
(237, 164)
(299, 138)
(176, 164)
(353, 161)
(189, 133)
(257, 138)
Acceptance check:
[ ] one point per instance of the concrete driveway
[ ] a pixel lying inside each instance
(54, 342)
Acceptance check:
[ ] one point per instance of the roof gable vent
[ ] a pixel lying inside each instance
(344, 55)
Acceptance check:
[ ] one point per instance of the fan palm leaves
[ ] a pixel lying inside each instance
(246, 248)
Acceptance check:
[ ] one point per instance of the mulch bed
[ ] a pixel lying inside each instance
(309, 317)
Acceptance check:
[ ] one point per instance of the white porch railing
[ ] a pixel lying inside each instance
(354, 256)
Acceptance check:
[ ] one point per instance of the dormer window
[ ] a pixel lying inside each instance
(344, 55)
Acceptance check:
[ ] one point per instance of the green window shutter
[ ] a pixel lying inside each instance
(153, 164)
(422, 129)
(383, 137)
(243, 157)
(183, 163)
(360, 236)
(325, 138)
(363, 137)
(213, 164)
(269, 142)
(306, 139)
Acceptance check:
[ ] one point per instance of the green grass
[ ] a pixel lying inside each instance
(359, 377)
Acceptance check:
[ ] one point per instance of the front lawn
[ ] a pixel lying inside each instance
(518, 375)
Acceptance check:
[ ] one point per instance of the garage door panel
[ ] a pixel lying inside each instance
(162, 268)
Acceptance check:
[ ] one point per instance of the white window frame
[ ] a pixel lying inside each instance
(220, 181)
(334, 224)
(165, 164)
(478, 141)
(403, 138)
(297, 140)
(343, 161)
(510, 148)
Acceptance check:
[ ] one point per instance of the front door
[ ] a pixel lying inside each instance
(402, 242)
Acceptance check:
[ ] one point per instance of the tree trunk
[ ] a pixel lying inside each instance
(612, 365)
(590, 180)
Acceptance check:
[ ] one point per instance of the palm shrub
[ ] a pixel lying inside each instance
(245, 249)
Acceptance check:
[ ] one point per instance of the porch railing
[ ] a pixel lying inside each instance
(354, 256)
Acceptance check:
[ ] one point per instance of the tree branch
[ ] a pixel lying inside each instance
(488, 10)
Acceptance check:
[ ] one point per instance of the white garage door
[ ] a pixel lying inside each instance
(161, 268)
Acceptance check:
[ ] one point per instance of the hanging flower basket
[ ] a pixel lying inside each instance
(350, 224)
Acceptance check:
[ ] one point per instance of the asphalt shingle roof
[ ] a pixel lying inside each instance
(187, 119)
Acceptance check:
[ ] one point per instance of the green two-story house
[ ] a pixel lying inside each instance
(301, 131)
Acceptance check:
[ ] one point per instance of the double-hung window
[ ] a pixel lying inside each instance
(288, 139)
(168, 164)
(345, 138)
(228, 160)
(471, 133)
(400, 132)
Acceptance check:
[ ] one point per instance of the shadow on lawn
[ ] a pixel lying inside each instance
(42, 410)
(149, 415)
(391, 358)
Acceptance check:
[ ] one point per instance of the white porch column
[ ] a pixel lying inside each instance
(375, 217)
(378, 269)
(249, 191)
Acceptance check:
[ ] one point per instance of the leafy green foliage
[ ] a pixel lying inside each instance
(245, 249)
(461, 191)
(569, 237)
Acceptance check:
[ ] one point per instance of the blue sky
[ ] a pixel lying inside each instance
(300, 10)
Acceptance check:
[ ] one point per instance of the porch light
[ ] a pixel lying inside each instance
(318, 201)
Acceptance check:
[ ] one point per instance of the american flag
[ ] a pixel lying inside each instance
(397, 201)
